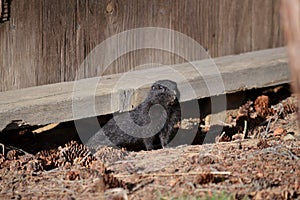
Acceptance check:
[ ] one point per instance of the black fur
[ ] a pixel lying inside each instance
(163, 94)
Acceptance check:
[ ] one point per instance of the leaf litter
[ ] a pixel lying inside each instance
(256, 156)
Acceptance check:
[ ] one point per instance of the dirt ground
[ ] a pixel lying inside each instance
(256, 156)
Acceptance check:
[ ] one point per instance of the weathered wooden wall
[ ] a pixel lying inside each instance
(45, 41)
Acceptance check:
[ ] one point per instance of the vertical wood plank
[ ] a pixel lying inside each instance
(46, 41)
(19, 55)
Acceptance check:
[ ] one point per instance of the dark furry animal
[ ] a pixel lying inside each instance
(151, 125)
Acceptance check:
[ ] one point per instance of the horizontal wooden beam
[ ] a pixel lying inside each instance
(120, 92)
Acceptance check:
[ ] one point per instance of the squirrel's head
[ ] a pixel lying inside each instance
(164, 92)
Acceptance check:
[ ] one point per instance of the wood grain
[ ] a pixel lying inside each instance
(46, 42)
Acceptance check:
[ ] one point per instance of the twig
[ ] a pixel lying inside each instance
(176, 174)
(85, 157)
(276, 151)
(141, 185)
(160, 186)
(245, 130)
(275, 117)
(278, 113)
(221, 136)
(3, 148)
(226, 124)
(21, 150)
(203, 190)
(55, 170)
(191, 185)
(286, 152)
(267, 128)
(109, 193)
(45, 128)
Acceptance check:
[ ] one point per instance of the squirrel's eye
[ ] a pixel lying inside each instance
(153, 88)
(161, 88)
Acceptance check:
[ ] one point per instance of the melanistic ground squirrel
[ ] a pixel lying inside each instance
(151, 125)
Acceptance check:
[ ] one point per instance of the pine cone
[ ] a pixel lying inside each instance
(73, 153)
(261, 105)
(245, 110)
(108, 178)
(289, 105)
(285, 107)
(48, 158)
(34, 166)
(12, 155)
(110, 154)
